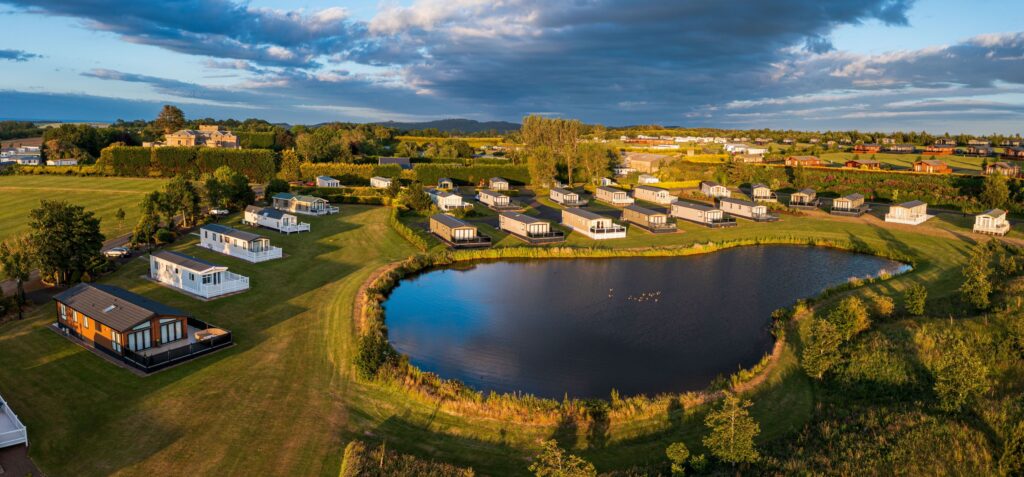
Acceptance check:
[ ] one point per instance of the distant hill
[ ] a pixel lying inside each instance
(466, 126)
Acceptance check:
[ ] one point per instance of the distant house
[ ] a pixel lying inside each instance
(62, 162)
(805, 161)
(653, 194)
(140, 332)
(762, 193)
(804, 199)
(273, 219)
(748, 158)
(529, 229)
(497, 183)
(607, 181)
(446, 200)
(302, 204)
(403, 162)
(457, 233)
(869, 164)
(703, 214)
(867, 148)
(237, 243)
(597, 227)
(910, 213)
(746, 209)
(325, 181)
(645, 162)
(647, 179)
(1004, 168)
(612, 195)
(209, 135)
(12, 431)
(378, 182)
(566, 197)
(1014, 153)
(992, 222)
(194, 275)
(25, 159)
(494, 200)
(980, 151)
(852, 205)
(978, 142)
(714, 190)
(940, 150)
(650, 220)
(932, 166)
(445, 183)
(947, 141)
(901, 148)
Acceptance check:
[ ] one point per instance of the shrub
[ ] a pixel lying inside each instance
(883, 305)
(374, 352)
(914, 299)
(164, 236)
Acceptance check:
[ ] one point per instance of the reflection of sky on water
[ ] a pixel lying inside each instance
(639, 325)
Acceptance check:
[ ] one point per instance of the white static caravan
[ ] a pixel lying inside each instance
(237, 243)
(493, 199)
(702, 214)
(498, 183)
(302, 204)
(714, 190)
(378, 182)
(647, 179)
(529, 229)
(653, 194)
(446, 200)
(597, 227)
(273, 219)
(12, 431)
(566, 197)
(762, 193)
(613, 196)
(992, 222)
(326, 181)
(194, 275)
(910, 213)
(745, 209)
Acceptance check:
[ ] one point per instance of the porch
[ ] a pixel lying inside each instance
(553, 236)
(12, 431)
(299, 227)
(850, 212)
(229, 283)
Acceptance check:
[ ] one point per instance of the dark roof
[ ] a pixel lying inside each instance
(562, 191)
(449, 220)
(643, 210)
(652, 188)
(586, 214)
(710, 183)
(491, 193)
(401, 161)
(115, 307)
(912, 203)
(498, 179)
(693, 205)
(184, 261)
(610, 189)
(853, 196)
(730, 200)
(283, 196)
(808, 191)
(526, 219)
(230, 232)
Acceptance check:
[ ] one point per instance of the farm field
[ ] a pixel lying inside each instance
(960, 164)
(101, 195)
(284, 399)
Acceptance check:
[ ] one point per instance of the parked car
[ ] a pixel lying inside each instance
(219, 212)
(117, 252)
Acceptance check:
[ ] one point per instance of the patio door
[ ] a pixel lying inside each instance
(140, 340)
(170, 330)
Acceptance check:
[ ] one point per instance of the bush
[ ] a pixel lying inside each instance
(255, 140)
(883, 305)
(374, 351)
(409, 234)
(914, 299)
(349, 174)
(164, 236)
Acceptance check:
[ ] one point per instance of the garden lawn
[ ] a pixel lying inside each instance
(101, 195)
(284, 401)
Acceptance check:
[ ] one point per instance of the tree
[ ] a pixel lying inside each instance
(394, 188)
(595, 160)
(678, 454)
(1011, 463)
(66, 239)
(416, 198)
(275, 186)
(960, 375)
(732, 431)
(914, 299)
(554, 462)
(180, 198)
(291, 167)
(321, 145)
(234, 188)
(16, 263)
(149, 219)
(542, 167)
(995, 193)
(170, 119)
(407, 149)
(119, 215)
(821, 349)
(977, 286)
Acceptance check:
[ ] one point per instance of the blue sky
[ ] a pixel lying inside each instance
(936, 65)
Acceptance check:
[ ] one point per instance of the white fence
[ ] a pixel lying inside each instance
(12, 431)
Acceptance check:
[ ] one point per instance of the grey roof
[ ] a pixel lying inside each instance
(326, 178)
(710, 183)
(185, 261)
(610, 189)
(563, 191)
(403, 162)
(651, 188)
(115, 307)
(912, 203)
(586, 214)
(449, 220)
(995, 213)
(441, 193)
(498, 179)
(253, 208)
(526, 219)
(854, 196)
(759, 186)
(808, 191)
(283, 196)
(693, 205)
(443, 179)
(643, 210)
(490, 193)
(231, 232)
(731, 200)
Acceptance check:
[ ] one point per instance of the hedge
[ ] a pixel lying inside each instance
(349, 174)
(255, 140)
(256, 164)
(171, 161)
(405, 231)
(470, 175)
(86, 170)
(131, 161)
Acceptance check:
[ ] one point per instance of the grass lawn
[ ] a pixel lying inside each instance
(960, 164)
(283, 401)
(101, 195)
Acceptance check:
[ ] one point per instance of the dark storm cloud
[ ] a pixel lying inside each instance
(17, 55)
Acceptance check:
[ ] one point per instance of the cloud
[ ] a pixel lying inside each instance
(17, 55)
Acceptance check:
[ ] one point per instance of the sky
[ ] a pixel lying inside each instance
(878, 65)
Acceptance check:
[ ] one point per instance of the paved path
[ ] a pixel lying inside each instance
(14, 461)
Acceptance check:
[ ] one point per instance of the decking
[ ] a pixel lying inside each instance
(12, 431)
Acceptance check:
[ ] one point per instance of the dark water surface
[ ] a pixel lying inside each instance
(585, 326)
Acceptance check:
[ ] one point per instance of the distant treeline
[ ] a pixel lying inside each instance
(18, 130)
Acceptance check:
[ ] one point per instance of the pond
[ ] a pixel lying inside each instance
(585, 326)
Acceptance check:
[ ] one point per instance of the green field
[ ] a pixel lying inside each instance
(284, 400)
(101, 195)
(960, 164)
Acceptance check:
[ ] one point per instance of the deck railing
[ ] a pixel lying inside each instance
(614, 229)
(230, 283)
(18, 435)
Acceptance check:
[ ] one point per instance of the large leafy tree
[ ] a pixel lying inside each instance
(554, 462)
(182, 199)
(66, 239)
(732, 431)
(977, 286)
(995, 193)
(232, 188)
(540, 162)
(291, 167)
(16, 263)
(961, 376)
(170, 119)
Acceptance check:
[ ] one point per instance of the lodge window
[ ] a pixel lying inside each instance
(63, 311)
(85, 321)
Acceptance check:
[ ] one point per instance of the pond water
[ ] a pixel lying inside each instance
(585, 326)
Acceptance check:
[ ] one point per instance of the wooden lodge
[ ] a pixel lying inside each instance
(1014, 153)
(850, 205)
(992, 222)
(901, 148)
(748, 158)
(762, 193)
(456, 233)
(804, 161)
(714, 190)
(133, 329)
(566, 197)
(597, 227)
(445, 183)
(302, 204)
(378, 182)
(237, 243)
(498, 183)
(327, 181)
(979, 151)
(273, 219)
(495, 200)
(932, 166)
(613, 196)
(746, 209)
(644, 162)
(649, 220)
(867, 148)
(529, 229)
(940, 150)
(653, 194)
(868, 164)
(910, 213)
(804, 199)
(194, 276)
(703, 214)
(1004, 168)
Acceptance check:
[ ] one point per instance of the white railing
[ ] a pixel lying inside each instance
(249, 255)
(229, 283)
(299, 227)
(12, 432)
(1002, 228)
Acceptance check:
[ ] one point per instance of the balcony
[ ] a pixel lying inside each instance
(229, 283)
(850, 212)
(805, 204)
(478, 241)
(247, 255)
(293, 228)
